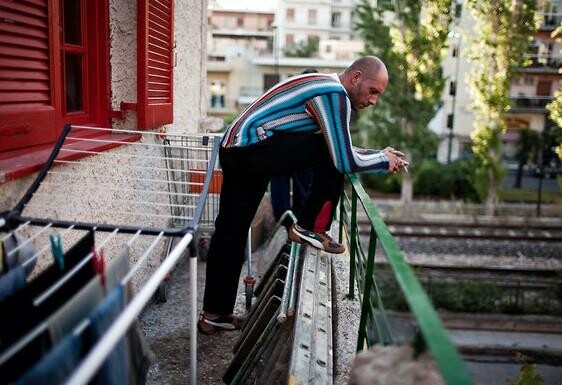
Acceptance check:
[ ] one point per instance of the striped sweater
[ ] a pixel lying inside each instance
(306, 103)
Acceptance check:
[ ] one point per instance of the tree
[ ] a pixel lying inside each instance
(410, 37)
(527, 146)
(304, 49)
(555, 107)
(504, 29)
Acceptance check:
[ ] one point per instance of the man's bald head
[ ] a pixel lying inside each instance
(368, 65)
(364, 80)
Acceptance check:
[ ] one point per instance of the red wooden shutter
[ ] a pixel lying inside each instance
(27, 95)
(155, 64)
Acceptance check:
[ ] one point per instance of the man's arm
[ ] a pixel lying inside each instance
(332, 112)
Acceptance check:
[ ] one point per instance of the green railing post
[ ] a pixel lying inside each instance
(340, 240)
(353, 246)
(437, 340)
(366, 301)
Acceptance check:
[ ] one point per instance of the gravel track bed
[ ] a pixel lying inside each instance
(471, 247)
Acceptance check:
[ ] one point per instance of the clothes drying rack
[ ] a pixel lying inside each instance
(142, 183)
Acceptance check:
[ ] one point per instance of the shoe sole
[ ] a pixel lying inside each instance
(311, 241)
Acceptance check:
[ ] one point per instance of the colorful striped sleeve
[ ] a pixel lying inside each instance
(332, 112)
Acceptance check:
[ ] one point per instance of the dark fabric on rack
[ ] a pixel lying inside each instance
(115, 369)
(24, 316)
(67, 317)
(22, 254)
(81, 305)
(89, 302)
(56, 367)
(11, 282)
(51, 274)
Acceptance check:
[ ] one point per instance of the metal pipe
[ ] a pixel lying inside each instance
(296, 248)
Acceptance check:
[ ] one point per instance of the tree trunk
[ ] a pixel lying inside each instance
(519, 175)
(407, 189)
(491, 197)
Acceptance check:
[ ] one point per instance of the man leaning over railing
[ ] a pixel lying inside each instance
(300, 122)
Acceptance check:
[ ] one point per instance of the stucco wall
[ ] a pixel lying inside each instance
(189, 114)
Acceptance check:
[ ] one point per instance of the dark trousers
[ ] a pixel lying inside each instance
(246, 173)
(281, 192)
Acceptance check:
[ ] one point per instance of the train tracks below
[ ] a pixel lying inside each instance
(491, 231)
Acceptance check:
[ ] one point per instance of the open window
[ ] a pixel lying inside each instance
(54, 69)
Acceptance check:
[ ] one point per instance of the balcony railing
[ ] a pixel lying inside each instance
(531, 102)
(550, 20)
(542, 60)
(378, 294)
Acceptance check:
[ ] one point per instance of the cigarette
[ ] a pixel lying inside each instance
(406, 168)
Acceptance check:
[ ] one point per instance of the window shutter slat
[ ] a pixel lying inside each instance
(155, 64)
(27, 112)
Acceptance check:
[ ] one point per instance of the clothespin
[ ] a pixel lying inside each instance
(98, 264)
(56, 250)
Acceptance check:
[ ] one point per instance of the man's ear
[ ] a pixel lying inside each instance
(356, 77)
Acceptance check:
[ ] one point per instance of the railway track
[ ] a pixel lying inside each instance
(535, 279)
(492, 231)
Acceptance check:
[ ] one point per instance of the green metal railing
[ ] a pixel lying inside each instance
(375, 322)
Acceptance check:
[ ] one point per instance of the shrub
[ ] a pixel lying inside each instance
(382, 183)
(452, 181)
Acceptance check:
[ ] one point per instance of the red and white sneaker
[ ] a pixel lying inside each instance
(320, 241)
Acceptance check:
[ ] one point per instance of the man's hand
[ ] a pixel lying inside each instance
(396, 160)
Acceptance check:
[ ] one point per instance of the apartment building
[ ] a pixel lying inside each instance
(246, 50)
(530, 92)
(302, 20)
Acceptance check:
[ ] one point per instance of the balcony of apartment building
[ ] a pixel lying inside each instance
(530, 103)
(248, 95)
(550, 21)
(543, 58)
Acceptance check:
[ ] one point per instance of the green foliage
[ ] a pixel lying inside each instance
(229, 119)
(505, 28)
(452, 181)
(528, 145)
(470, 296)
(527, 374)
(388, 184)
(412, 47)
(555, 109)
(303, 49)
(449, 181)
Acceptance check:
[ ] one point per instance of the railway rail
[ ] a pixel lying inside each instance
(492, 231)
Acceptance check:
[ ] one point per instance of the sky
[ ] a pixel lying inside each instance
(251, 5)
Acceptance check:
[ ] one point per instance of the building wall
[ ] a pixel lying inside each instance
(190, 109)
(301, 28)
(231, 20)
(546, 64)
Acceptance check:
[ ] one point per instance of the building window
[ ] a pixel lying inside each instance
(336, 19)
(290, 14)
(452, 88)
(328, 48)
(239, 21)
(54, 70)
(458, 10)
(289, 39)
(454, 51)
(312, 17)
(218, 94)
(529, 81)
